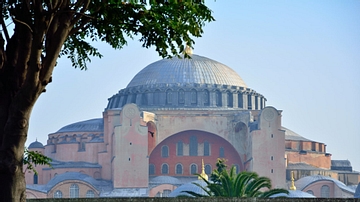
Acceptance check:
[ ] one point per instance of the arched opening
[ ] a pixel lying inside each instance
(229, 99)
(218, 98)
(179, 169)
(240, 101)
(181, 96)
(169, 98)
(74, 191)
(206, 97)
(193, 96)
(144, 98)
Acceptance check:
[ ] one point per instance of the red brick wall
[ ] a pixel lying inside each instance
(215, 143)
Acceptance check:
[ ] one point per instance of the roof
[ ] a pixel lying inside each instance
(77, 164)
(302, 183)
(164, 180)
(341, 163)
(294, 194)
(291, 135)
(92, 125)
(189, 187)
(198, 69)
(301, 166)
(36, 144)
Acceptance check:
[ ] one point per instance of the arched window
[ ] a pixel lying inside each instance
(133, 98)
(179, 169)
(181, 96)
(310, 192)
(229, 99)
(180, 149)
(124, 100)
(35, 178)
(221, 152)
(249, 102)
(193, 169)
(156, 97)
(90, 194)
(218, 99)
(165, 169)
(193, 97)
(208, 169)
(206, 98)
(74, 191)
(206, 148)
(193, 146)
(166, 192)
(168, 97)
(165, 151)
(240, 101)
(144, 99)
(58, 194)
(325, 191)
(151, 169)
(256, 102)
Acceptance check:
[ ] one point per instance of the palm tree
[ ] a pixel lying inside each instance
(244, 184)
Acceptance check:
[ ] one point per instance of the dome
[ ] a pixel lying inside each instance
(294, 194)
(92, 125)
(291, 135)
(197, 70)
(180, 191)
(36, 144)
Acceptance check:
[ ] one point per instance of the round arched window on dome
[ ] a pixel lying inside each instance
(206, 97)
(193, 97)
(240, 101)
(181, 97)
(144, 98)
(229, 99)
(218, 98)
(169, 95)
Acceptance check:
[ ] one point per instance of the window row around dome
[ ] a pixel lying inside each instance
(190, 98)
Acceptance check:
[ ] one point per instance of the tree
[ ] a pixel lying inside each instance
(229, 184)
(44, 30)
(32, 158)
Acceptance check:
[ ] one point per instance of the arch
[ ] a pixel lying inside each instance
(229, 99)
(206, 97)
(325, 191)
(193, 147)
(97, 175)
(193, 169)
(58, 194)
(179, 169)
(169, 98)
(193, 97)
(74, 191)
(181, 97)
(180, 148)
(164, 151)
(151, 169)
(249, 101)
(208, 169)
(218, 98)
(90, 194)
(206, 148)
(165, 168)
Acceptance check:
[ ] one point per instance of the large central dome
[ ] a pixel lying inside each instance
(197, 70)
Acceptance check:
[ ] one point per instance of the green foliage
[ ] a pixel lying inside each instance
(229, 184)
(32, 158)
(167, 25)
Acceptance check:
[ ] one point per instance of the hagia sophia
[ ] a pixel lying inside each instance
(173, 115)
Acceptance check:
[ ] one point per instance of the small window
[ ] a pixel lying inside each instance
(58, 194)
(144, 100)
(169, 97)
(218, 99)
(229, 99)
(74, 191)
(181, 96)
(165, 169)
(249, 102)
(166, 192)
(165, 151)
(90, 194)
(221, 152)
(272, 170)
(35, 178)
(240, 101)
(193, 97)
(193, 146)
(325, 191)
(156, 97)
(180, 148)
(151, 169)
(133, 98)
(193, 169)
(208, 169)
(179, 169)
(206, 98)
(272, 158)
(237, 168)
(206, 148)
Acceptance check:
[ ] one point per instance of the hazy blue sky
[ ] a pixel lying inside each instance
(303, 56)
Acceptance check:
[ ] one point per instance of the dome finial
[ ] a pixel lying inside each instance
(188, 50)
(292, 186)
(203, 175)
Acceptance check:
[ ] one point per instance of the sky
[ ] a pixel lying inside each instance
(303, 56)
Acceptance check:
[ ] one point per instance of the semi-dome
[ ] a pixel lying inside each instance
(92, 125)
(197, 70)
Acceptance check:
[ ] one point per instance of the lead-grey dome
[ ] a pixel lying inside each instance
(197, 70)
(92, 125)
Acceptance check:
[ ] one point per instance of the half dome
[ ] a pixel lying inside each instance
(197, 70)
